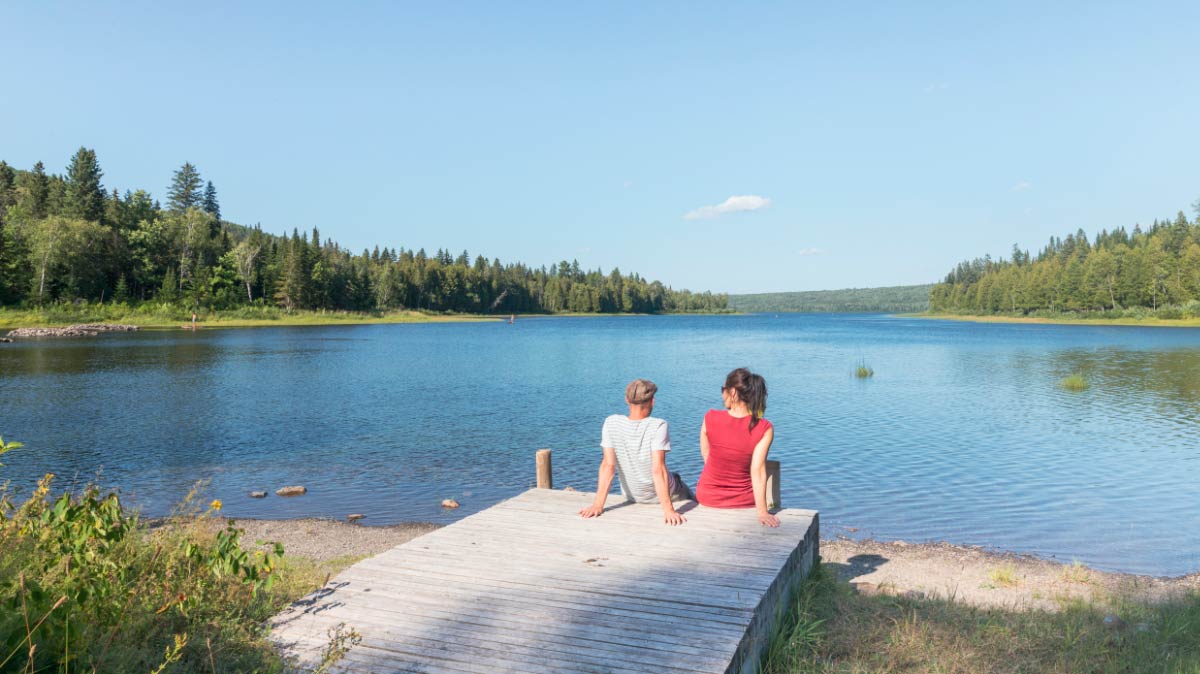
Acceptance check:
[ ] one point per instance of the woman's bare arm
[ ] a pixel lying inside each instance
(758, 477)
(704, 441)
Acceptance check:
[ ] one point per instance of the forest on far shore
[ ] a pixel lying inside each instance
(68, 238)
(1152, 271)
(892, 300)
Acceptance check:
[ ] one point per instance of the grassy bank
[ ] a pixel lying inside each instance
(1145, 320)
(162, 315)
(87, 586)
(834, 629)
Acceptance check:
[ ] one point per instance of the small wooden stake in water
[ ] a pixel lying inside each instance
(545, 477)
(773, 501)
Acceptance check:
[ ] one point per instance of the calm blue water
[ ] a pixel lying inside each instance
(963, 434)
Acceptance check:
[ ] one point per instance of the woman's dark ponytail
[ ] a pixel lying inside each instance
(752, 390)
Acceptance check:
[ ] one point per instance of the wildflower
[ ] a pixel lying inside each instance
(216, 504)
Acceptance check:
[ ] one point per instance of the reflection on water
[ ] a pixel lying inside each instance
(963, 434)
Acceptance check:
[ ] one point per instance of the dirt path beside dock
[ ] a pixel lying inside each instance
(986, 578)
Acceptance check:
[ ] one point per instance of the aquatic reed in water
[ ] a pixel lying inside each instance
(1075, 382)
(863, 371)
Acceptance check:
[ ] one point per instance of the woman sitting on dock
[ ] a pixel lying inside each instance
(734, 443)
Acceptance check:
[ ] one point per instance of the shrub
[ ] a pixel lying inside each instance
(87, 586)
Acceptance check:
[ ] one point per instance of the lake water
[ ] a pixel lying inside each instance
(964, 433)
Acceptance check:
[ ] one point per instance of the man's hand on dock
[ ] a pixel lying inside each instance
(673, 518)
(592, 511)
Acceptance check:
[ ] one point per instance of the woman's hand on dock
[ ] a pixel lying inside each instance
(768, 520)
(592, 511)
(673, 518)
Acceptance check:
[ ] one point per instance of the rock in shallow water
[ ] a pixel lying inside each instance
(449, 503)
(354, 517)
(295, 490)
(80, 330)
(258, 494)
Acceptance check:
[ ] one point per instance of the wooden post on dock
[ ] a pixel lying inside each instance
(773, 499)
(545, 476)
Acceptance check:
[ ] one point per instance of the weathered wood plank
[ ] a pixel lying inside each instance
(529, 586)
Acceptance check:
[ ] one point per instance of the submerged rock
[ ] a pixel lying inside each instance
(449, 503)
(258, 494)
(295, 490)
(79, 330)
(354, 517)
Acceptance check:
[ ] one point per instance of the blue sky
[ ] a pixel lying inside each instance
(743, 148)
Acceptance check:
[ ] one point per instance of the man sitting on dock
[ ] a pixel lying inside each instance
(635, 448)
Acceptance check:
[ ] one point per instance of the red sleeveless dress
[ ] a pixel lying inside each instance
(725, 481)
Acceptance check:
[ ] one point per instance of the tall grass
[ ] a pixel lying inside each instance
(1075, 382)
(833, 630)
(863, 371)
(87, 586)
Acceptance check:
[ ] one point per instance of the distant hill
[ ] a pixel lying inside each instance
(894, 299)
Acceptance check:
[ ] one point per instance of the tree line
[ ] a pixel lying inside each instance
(66, 238)
(892, 299)
(1156, 269)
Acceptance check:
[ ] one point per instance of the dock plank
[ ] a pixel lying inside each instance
(529, 586)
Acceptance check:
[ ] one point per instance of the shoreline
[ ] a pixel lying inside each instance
(20, 320)
(973, 574)
(14, 320)
(1035, 320)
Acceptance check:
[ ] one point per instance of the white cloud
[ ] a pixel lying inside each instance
(939, 86)
(1022, 185)
(811, 251)
(748, 202)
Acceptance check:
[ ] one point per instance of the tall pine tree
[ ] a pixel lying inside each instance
(38, 192)
(184, 192)
(210, 202)
(85, 194)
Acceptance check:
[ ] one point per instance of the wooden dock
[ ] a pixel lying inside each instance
(529, 586)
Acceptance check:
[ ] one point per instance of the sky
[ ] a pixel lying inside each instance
(732, 147)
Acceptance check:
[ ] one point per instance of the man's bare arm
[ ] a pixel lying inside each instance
(608, 467)
(662, 487)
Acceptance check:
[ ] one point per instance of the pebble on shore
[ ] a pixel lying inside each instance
(294, 490)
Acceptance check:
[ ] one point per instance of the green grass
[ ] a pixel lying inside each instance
(165, 315)
(1143, 318)
(833, 630)
(1074, 382)
(1004, 575)
(863, 371)
(1076, 572)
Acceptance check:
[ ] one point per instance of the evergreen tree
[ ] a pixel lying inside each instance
(85, 194)
(8, 188)
(184, 192)
(210, 202)
(37, 189)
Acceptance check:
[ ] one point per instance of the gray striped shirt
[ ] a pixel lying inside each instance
(633, 442)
